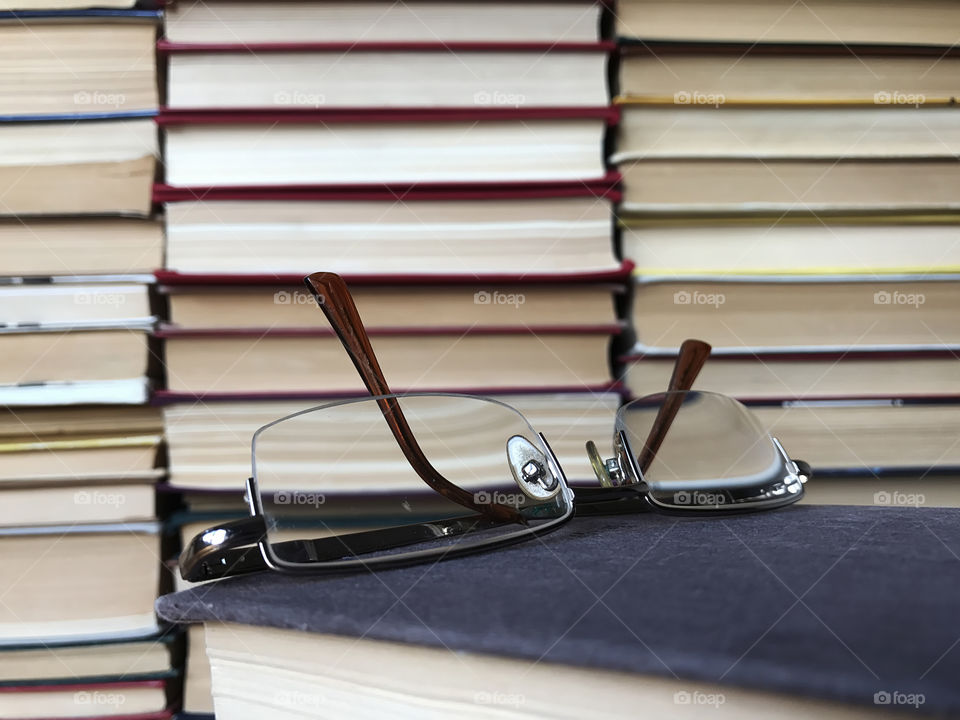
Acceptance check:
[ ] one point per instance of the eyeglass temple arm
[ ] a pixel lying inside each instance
(693, 355)
(337, 303)
(231, 548)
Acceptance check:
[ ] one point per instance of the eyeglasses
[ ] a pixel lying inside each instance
(389, 479)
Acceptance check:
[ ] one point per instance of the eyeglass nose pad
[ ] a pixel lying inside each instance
(619, 470)
(531, 469)
(599, 465)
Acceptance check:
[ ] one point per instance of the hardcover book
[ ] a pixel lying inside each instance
(782, 21)
(120, 700)
(430, 21)
(758, 314)
(385, 75)
(751, 74)
(810, 245)
(326, 149)
(552, 232)
(209, 442)
(913, 440)
(781, 133)
(443, 359)
(78, 65)
(101, 166)
(314, 638)
(110, 572)
(705, 186)
(445, 303)
(809, 375)
(80, 246)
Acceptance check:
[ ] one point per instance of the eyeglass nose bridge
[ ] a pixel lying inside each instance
(623, 470)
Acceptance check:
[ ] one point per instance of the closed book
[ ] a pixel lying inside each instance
(781, 133)
(236, 21)
(56, 246)
(131, 391)
(74, 306)
(102, 166)
(444, 359)
(208, 442)
(739, 314)
(59, 502)
(66, 422)
(329, 148)
(804, 186)
(781, 21)
(110, 572)
(808, 245)
(77, 458)
(447, 302)
(78, 65)
(808, 375)
(39, 664)
(913, 438)
(119, 700)
(385, 75)
(314, 638)
(550, 233)
(693, 73)
(106, 366)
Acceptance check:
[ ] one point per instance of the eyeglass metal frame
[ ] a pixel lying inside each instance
(241, 546)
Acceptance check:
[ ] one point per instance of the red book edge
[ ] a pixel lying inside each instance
(906, 399)
(98, 687)
(171, 47)
(658, 48)
(171, 279)
(169, 331)
(902, 399)
(604, 188)
(159, 715)
(290, 283)
(601, 3)
(172, 397)
(156, 683)
(829, 355)
(244, 116)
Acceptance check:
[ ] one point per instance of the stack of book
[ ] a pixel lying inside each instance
(446, 158)
(790, 189)
(78, 444)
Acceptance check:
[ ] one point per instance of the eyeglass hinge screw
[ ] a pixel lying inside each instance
(614, 469)
(532, 472)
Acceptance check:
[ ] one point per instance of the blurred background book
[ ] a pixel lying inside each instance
(79, 443)
(448, 159)
(790, 192)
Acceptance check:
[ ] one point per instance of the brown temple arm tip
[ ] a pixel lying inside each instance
(690, 361)
(693, 356)
(332, 294)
